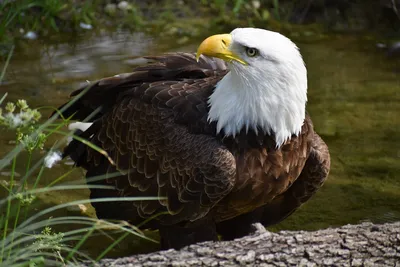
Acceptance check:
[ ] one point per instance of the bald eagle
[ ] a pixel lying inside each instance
(221, 136)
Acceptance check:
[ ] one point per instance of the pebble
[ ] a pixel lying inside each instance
(110, 9)
(394, 49)
(80, 207)
(381, 45)
(31, 35)
(124, 5)
(256, 4)
(85, 26)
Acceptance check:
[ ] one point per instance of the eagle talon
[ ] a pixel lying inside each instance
(258, 228)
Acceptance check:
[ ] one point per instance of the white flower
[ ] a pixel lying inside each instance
(52, 158)
(14, 120)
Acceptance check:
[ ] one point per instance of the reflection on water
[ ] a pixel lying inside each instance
(354, 100)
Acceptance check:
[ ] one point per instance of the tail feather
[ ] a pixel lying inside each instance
(82, 126)
(75, 149)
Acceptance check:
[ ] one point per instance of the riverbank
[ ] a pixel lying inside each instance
(37, 19)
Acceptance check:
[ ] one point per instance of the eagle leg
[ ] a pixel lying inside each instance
(181, 235)
(239, 226)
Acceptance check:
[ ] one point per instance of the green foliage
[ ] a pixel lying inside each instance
(23, 122)
(33, 240)
(50, 17)
(276, 8)
(44, 16)
(49, 241)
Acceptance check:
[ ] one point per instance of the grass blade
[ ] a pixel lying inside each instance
(3, 73)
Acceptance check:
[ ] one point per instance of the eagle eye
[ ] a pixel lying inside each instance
(251, 52)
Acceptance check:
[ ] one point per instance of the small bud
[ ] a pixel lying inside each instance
(19, 196)
(10, 107)
(41, 139)
(27, 200)
(36, 115)
(20, 136)
(21, 103)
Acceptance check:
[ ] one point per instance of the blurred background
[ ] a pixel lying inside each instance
(351, 49)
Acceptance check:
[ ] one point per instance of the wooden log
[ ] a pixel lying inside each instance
(365, 244)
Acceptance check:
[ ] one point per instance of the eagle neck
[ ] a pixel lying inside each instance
(273, 107)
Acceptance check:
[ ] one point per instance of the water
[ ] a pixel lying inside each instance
(354, 101)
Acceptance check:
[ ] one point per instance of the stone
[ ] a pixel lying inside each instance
(31, 35)
(124, 5)
(110, 9)
(77, 208)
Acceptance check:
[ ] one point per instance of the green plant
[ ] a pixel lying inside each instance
(32, 240)
(276, 9)
(224, 6)
(44, 16)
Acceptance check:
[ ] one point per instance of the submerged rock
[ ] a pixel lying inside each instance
(394, 50)
(110, 9)
(77, 208)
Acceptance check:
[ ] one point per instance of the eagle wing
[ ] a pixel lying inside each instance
(153, 125)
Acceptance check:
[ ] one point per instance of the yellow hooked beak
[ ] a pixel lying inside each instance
(218, 46)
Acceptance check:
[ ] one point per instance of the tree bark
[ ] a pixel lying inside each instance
(365, 244)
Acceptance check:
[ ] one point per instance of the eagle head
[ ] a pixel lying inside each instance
(266, 87)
